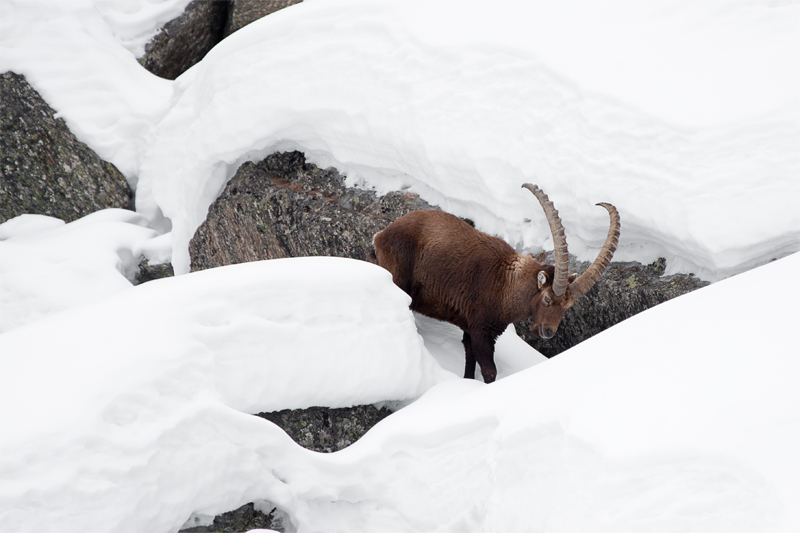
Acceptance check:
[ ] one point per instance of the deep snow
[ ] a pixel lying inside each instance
(129, 413)
(127, 408)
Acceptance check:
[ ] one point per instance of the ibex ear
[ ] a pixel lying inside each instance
(572, 277)
(542, 279)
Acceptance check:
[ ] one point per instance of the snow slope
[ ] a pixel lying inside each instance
(683, 114)
(129, 414)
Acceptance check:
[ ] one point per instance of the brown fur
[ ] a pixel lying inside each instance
(468, 278)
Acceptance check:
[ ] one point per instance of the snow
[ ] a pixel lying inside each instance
(699, 101)
(129, 408)
(683, 417)
(47, 266)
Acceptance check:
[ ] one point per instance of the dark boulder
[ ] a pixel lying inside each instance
(148, 272)
(324, 429)
(185, 40)
(245, 518)
(624, 290)
(243, 12)
(46, 170)
(283, 207)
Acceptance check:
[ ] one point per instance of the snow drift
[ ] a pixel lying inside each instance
(683, 417)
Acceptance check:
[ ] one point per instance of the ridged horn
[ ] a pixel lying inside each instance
(559, 240)
(581, 286)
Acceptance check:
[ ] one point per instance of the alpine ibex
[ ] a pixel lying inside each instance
(479, 283)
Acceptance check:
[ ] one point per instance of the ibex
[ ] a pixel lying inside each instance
(479, 283)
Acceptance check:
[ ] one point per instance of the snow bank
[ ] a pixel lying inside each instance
(147, 390)
(47, 266)
(683, 417)
(685, 115)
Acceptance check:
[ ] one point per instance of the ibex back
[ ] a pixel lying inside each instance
(479, 283)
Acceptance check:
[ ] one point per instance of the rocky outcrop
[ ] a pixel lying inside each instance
(624, 290)
(46, 170)
(283, 207)
(243, 12)
(185, 40)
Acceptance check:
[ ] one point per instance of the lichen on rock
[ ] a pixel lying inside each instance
(46, 170)
(283, 207)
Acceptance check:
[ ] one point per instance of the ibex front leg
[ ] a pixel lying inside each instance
(479, 347)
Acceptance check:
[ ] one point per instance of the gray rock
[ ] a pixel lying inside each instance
(185, 40)
(243, 519)
(624, 290)
(243, 12)
(46, 170)
(148, 272)
(324, 429)
(282, 207)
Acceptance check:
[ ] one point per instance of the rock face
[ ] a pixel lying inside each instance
(45, 169)
(282, 207)
(243, 12)
(185, 40)
(624, 290)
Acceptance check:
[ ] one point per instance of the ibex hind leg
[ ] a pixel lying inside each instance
(469, 368)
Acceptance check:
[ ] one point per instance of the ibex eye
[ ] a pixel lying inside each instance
(547, 301)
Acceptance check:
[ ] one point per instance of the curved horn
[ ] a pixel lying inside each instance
(581, 286)
(561, 254)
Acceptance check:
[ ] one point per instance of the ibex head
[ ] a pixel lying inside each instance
(557, 289)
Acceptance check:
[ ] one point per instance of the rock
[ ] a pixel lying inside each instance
(243, 12)
(148, 272)
(245, 518)
(624, 290)
(185, 40)
(283, 207)
(46, 170)
(324, 429)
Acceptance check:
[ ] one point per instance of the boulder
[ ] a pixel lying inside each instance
(185, 40)
(46, 170)
(283, 207)
(248, 517)
(243, 12)
(324, 429)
